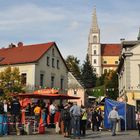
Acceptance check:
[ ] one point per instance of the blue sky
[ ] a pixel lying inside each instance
(67, 22)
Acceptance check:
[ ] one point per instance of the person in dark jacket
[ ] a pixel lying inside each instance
(1, 108)
(16, 109)
(65, 116)
(95, 120)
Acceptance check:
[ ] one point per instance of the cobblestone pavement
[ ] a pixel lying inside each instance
(105, 135)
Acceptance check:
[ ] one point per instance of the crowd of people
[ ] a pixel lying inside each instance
(69, 119)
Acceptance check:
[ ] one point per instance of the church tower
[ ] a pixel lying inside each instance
(94, 45)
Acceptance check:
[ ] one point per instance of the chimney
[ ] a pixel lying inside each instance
(12, 45)
(20, 44)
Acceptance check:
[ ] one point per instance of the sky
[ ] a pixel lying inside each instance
(67, 22)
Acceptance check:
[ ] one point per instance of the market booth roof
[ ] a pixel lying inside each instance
(46, 96)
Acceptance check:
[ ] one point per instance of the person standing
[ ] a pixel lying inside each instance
(52, 111)
(113, 118)
(95, 120)
(65, 116)
(57, 119)
(16, 109)
(37, 113)
(75, 110)
(83, 121)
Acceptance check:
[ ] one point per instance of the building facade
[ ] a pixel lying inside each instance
(103, 57)
(75, 88)
(129, 73)
(40, 65)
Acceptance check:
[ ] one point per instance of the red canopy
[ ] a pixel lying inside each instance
(46, 96)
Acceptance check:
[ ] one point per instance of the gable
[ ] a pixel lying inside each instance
(73, 82)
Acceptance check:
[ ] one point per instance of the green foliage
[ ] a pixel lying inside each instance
(87, 74)
(110, 81)
(112, 84)
(73, 65)
(10, 81)
(98, 91)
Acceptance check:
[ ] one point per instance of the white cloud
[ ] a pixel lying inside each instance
(74, 25)
(67, 23)
(27, 15)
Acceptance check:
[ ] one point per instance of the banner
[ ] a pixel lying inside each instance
(109, 104)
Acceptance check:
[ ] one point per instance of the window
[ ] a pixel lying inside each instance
(53, 53)
(41, 80)
(95, 61)
(52, 81)
(57, 64)
(116, 62)
(94, 39)
(61, 82)
(75, 92)
(24, 78)
(48, 61)
(105, 62)
(94, 51)
(53, 62)
(94, 70)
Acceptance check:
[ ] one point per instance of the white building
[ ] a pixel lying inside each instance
(39, 64)
(103, 57)
(129, 73)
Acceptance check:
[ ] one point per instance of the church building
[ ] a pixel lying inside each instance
(103, 57)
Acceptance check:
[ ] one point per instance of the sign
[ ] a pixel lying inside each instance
(46, 91)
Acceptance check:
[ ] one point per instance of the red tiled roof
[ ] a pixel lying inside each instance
(23, 54)
(110, 49)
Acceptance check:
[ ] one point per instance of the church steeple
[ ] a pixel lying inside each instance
(94, 27)
(94, 45)
(138, 35)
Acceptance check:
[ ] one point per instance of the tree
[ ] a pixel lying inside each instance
(110, 82)
(73, 65)
(112, 86)
(87, 74)
(10, 81)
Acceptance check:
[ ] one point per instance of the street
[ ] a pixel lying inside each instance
(105, 135)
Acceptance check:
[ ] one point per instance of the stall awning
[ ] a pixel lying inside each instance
(45, 96)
